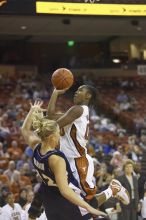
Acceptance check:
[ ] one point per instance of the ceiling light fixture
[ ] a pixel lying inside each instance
(23, 27)
(116, 60)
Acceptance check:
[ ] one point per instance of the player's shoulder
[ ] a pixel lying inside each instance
(76, 110)
(56, 162)
(54, 158)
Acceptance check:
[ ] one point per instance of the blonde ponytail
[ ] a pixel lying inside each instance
(43, 126)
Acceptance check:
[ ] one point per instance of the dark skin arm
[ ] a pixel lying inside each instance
(52, 104)
(62, 119)
(70, 116)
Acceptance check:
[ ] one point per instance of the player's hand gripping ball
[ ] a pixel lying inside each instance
(62, 79)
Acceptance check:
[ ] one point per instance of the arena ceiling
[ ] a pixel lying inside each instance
(61, 28)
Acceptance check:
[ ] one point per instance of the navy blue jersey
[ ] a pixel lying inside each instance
(41, 165)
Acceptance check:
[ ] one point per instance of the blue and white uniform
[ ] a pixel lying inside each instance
(56, 206)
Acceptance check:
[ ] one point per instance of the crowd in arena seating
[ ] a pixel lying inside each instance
(110, 144)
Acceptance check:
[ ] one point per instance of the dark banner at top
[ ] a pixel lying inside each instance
(18, 7)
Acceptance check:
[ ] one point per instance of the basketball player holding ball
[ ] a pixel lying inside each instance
(74, 126)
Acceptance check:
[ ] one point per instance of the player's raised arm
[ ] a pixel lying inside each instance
(30, 138)
(51, 109)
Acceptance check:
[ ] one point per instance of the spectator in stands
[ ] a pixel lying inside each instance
(2, 154)
(107, 125)
(124, 83)
(130, 182)
(141, 183)
(117, 160)
(24, 179)
(21, 161)
(45, 94)
(36, 94)
(30, 196)
(29, 199)
(4, 180)
(142, 143)
(137, 169)
(121, 132)
(22, 197)
(12, 112)
(15, 129)
(98, 144)
(111, 126)
(116, 110)
(25, 94)
(4, 129)
(104, 178)
(126, 106)
(3, 194)
(20, 116)
(138, 123)
(134, 149)
(26, 170)
(122, 97)
(11, 210)
(14, 151)
(28, 152)
(1, 113)
(11, 171)
(117, 172)
(143, 204)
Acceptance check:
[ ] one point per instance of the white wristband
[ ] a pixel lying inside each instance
(108, 193)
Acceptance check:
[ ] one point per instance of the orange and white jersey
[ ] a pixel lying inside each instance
(74, 137)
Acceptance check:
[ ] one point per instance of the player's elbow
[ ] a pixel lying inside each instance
(50, 110)
(24, 132)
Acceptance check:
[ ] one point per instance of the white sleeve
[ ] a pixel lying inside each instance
(143, 209)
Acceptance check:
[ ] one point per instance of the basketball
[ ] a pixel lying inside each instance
(62, 78)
